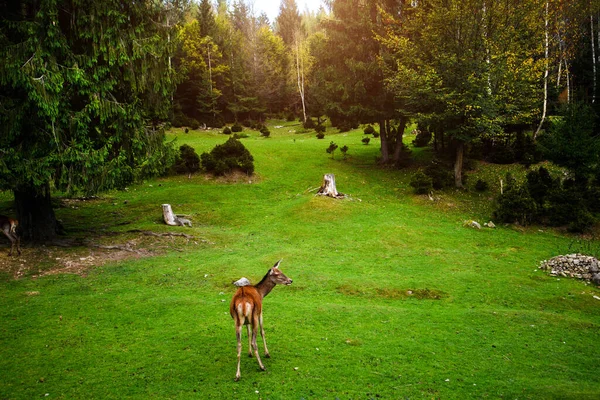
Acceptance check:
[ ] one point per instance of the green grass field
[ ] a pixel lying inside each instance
(392, 297)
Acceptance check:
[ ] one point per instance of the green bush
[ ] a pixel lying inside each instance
(320, 128)
(366, 140)
(228, 157)
(331, 149)
(320, 135)
(441, 175)
(369, 130)
(309, 123)
(264, 131)
(344, 150)
(539, 185)
(187, 162)
(516, 205)
(193, 124)
(227, 130)
(481, 185)
(421, 183)
(422, 139)
(236, 128)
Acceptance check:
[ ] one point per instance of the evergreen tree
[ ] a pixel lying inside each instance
(83, 87)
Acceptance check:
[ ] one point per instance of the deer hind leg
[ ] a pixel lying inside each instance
(249, 341)
(262, 333)
(238, 335)
(254, 346)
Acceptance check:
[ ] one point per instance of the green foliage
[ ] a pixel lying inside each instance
(366, 140)
(421, 183)
(237, 128)
(227, 131)
(264, 131)
(320, 128)
(320, 135)
(188, 161)
(440, 174)
(515, 204)
(228, 157)
(572, 141)
(309, 123)
(344, 150)
(331, 149)
(423, 138)
(481, 185)
(369, 130)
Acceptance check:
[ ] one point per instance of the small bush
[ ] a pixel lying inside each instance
(187, 162)
(227, 131)
(320, 135)
(309, 123)
(421, 183)
(227, 157)
(290, 117)
(331, 149)
(265, 131)
(369, 130)
(481, 185)
(187, 130)
(320, 128)
(422, 139)
(375, 134)
(193, 124)
(366, 140)
(441, 176)
(516, 205)
(344, 151)
(236, 128)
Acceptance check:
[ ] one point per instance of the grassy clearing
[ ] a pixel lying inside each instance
(392, 296)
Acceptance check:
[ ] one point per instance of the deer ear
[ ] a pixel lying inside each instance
(277, 263)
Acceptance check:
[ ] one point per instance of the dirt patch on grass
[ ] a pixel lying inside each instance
(77, 257)
(392, 293)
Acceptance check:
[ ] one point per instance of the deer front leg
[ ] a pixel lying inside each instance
(262, 333)
(238, 335)
(254, 346)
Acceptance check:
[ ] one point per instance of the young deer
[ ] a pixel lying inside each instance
(8, 226)
(246, 309)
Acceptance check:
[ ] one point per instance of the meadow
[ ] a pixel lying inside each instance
(393, 297)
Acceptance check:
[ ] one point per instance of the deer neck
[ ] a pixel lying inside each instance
(265, 286)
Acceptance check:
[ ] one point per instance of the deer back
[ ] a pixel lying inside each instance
(245, 304)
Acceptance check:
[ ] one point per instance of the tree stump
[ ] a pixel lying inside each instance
(328, 187)
(173, 220)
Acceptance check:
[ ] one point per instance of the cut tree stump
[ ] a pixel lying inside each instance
(172, 219)
(328, 187)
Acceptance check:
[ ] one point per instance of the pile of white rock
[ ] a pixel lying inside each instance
(574, 266)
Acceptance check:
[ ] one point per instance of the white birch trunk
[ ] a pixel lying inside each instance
(300, 77)
(546, 46)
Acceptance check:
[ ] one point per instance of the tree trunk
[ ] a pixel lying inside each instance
(168, 216)
(36, 216)
(399, 138)
(385, 155)
(328, 187)
(546, 46)
(458, 164)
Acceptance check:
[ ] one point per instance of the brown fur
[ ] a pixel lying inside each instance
(246, 309)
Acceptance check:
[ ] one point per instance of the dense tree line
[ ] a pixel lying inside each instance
(85, 87)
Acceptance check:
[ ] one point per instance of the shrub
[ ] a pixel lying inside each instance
(227, 131)
(421, 183)
(187, 130)
(188, 161)
(441, 176)
(264, 131)
(236, 128)
(309, 123)
(320, 128)
(331, 149)
(516, 205)
(375, 134)
(539, 184)
(290, 117)
(369, 130)
(344, 150)
(193, 124)
(320, 135)
(366, 140)
(344, 126)
(422, 139)
(227, 157)
(481, 185)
